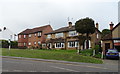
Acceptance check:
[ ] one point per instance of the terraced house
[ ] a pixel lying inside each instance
(66, 38)
(33, 37)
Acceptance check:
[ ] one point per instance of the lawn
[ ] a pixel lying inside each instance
(66, 55)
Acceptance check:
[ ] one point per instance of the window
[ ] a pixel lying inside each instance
(29, 35)
(19, 36)
(35, 34)
(59, 45)
(48, 36)
(97, 36)
(24, 36)
(34, 43)
(39, 42)
(29, 43)
(59, 35)
(24, 44)
(39, 33)
(73, 33)
(73, 44)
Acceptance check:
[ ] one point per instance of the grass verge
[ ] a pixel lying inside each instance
(66, 55)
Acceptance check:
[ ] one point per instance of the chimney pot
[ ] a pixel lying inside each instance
(70, 24)
(111, 25)
(97, 25)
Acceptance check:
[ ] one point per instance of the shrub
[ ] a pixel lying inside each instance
(96, 48)
(87, 52)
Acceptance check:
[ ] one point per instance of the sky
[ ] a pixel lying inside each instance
(18, 15)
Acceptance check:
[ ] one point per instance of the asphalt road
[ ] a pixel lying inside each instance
(20, 65)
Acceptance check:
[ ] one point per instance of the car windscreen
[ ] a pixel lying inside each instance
(112, 51)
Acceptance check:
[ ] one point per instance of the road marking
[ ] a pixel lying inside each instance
(64, 69)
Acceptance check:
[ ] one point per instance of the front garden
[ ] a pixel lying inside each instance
(66, 55)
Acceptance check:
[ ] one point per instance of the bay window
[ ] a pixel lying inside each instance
(73, 44)
(57, 35)
(59, 45)
(73, 33)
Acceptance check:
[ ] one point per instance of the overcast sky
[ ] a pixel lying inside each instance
(18, 15)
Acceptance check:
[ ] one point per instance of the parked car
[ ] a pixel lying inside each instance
(112, 53)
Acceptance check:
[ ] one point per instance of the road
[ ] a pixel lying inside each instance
(20, 65)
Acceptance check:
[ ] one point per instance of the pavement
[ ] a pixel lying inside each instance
(20, 64)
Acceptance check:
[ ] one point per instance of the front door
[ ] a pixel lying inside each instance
(107, 46)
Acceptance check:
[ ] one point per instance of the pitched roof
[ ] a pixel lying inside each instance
(37, 29)
(65, 29)
(107, 37)
(116, 26)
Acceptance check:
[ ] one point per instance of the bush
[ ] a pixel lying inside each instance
(5, 44)
(87, 52)
(14, 44)
(96, 48)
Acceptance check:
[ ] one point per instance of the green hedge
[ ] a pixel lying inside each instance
(5, 44)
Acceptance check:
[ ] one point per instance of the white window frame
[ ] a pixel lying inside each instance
(39, 33)
(29, 43)
(35, 43)
(97, 36)
(48, 36)
(73, 33)
(35, 34)
(24, 44)
(24, 36)
(39, 42)
(74, 43)
(29, 35)
(19, 36)
(57, 35)
(61, 45)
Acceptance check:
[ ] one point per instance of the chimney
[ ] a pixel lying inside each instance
(70, 24)
(97, 25)
(111, 25)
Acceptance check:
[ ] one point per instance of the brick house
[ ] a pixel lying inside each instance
(33, 37)
(66, 38)
(112, 40)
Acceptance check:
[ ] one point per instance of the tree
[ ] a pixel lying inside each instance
(85, 26)
(105, 32)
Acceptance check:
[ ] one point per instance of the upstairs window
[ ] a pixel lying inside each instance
(48, 36)
(24, 36)
(57, 35)
(19, 36)
(29, 35)
(39, 33)
(35, 34)
(73, 33)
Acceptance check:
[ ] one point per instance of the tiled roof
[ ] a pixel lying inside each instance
(37, 29)
(107, 37)
(65, 29)
(116, 26)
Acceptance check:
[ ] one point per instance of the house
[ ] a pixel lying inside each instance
(112, 40)
(33, 37)
(67, 38)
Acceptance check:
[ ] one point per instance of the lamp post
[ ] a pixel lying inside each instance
(9, 41)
